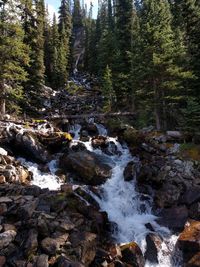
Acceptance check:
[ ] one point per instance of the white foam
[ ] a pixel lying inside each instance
(43, 180)
(3, 152)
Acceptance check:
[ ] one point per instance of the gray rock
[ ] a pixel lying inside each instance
(154, 245)
(129, 171)
(42, 261)
(6, 238)
(31, 243)
(91, 169)
(50, 246)
(5, 200)
(26, 211)
(190, 196)
(173, 218)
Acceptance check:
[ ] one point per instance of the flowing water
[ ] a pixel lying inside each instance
(124, 205)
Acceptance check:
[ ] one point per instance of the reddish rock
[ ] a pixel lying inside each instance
(99, 142)
(2, 179)
(2, 261)
(115, 251)
(189, 243)
(189, 239)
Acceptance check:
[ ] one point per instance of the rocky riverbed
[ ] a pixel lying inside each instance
(96, 193)
(108, 196)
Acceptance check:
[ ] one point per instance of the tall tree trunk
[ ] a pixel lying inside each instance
(2, 107)
(2, 99)
(157, 117)
(157, 107)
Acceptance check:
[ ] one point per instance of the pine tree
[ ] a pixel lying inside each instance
(63, 54)
(64, 27)
(33, 21)
(37, 67)
(161, 75)
(190, 10)
(77, 18)
(122, 60)
(108, 92)
(47, 47)
(54, 48)
(14, 57)
(65, 19)
(191, 116)
(107, 43)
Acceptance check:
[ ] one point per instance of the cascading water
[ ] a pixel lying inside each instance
(43, 180)
(120, 199)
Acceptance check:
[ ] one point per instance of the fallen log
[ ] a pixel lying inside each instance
(20, 122)
(98, 115)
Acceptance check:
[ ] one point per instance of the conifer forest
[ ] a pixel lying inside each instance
(100, 133)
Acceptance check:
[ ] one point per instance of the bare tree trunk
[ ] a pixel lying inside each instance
(157, 116)
(2, 99)
(2, 107)
(157, 107)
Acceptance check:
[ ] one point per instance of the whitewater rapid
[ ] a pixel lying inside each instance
(121, 200)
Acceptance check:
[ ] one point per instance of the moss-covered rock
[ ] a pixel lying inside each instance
(132, 136)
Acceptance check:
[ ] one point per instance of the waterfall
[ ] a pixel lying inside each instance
(121, 200)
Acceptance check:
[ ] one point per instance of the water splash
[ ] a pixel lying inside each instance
(120, 200)
(41, 179)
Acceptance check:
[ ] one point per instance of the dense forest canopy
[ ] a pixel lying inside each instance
(145, 54)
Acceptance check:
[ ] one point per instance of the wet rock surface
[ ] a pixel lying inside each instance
(189, 243)
(39, 227)
(174, 181)
(91, 169)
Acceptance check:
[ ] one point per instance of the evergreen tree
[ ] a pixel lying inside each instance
(63, 54)
(54, 48)
(64, 27)
(47, 47)
(108, 92)
(65, 19)
(14, 57)
(161, 75)
(37, 69)
(190, 11)
(77, 18)
(191, 115)
(33, 21)
(122, 60)
(107, 42)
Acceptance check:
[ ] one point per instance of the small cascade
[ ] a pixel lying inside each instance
(42, 179)
(126, 207)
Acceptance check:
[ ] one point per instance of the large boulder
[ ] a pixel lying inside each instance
(174, 218)
(90, 168)
(132, 255)
(189, 242)
(30, 146)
